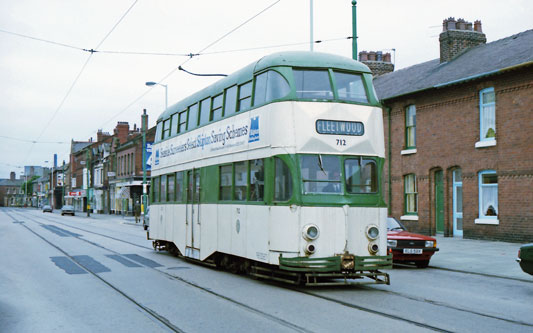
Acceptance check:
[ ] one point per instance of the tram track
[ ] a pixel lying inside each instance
(150, 312)
(314, 294)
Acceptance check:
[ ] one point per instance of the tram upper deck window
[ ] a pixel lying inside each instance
(192, 121)
(230, 103)
(361, 175)
(166, 128)
(159, 131)
(205, 111)
(216, 108)
(245, 96)
(350, 87)
(269, 86)
(182, 126)
(312, 84)
(321, 174)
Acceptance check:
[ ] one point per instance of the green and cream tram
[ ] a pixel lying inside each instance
(276, 170)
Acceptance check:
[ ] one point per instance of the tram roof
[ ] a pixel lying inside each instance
(289, 59)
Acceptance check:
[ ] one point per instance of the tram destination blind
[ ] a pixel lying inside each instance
(339, 127)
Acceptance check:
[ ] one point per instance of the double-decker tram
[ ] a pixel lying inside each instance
(275, 170)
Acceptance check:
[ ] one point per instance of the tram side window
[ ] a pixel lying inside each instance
(174, 123)
(245, 96)
(166, 128)
(269, 86)
(155, 189)
(179, 186)
(163, 195)
(282, 181)
(321, 174)
(159, 131)
(312, 84)
(182, 122)
(192, 122)
(350, 87)
(216, 112)
(241, 181)
(226, 173)
(171, 187)
(361, 175)
(205, 111)
(230, 103)
(257, 180)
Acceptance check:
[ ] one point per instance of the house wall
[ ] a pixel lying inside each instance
(447, 129)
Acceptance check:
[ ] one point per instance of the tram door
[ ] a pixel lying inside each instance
(192, 246)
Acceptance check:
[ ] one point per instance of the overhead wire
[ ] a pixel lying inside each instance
(187, 60)
(78, 76)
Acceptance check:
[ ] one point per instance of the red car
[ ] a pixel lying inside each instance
(408, 247)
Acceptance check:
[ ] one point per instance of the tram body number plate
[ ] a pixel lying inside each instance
(412, 251)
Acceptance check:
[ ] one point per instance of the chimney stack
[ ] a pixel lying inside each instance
(378, 62)
(122, 131)
(458, 36)
(12, 176)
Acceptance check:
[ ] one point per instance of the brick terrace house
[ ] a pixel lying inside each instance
(10, 191)
(458, 137)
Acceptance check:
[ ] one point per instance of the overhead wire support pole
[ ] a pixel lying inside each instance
(311, 25)
(354, 29)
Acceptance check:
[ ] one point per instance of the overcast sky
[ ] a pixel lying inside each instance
(43, 110)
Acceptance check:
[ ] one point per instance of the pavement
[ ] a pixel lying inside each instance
(482, 257)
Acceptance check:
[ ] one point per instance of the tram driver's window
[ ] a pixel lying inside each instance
(282, 181)
(312, 84)
(361, 175)
(257, 180)
(321, 174)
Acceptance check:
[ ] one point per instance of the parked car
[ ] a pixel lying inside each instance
(67, 209)
(525, 258)
(47, 208)
(409, 247)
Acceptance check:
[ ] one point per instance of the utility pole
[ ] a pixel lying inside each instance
(144, 201)
(311, 25)
(87, 192)
(354, 30)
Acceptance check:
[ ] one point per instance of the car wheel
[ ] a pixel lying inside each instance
(422, 263)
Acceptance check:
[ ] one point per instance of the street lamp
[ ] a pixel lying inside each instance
(150, 83)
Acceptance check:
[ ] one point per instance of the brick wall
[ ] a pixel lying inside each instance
(447, 130)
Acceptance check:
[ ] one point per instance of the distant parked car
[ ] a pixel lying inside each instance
(525, 258)
(47, 208)
(409, 247)
(67, 209)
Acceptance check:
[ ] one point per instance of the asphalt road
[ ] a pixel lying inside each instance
(64, 274)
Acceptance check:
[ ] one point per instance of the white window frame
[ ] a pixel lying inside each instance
(415, 194)
(483, 219)
(482, 126)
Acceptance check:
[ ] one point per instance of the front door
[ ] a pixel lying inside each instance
(457, 203)
(192, 246)
(439, 202)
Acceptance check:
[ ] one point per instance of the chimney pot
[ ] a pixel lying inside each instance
(371, 56)
(387, 57)
(363, 56)
(477, 26)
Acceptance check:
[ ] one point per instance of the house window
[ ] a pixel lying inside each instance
(488, 195)
(410, 127)
(487, 113)
(410, 194)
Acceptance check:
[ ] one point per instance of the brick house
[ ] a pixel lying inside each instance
(458, 137)
(11, 192)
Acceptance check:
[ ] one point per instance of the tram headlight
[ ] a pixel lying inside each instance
(310, 232)
(372, 232)
(310, 249)
(373, 248)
